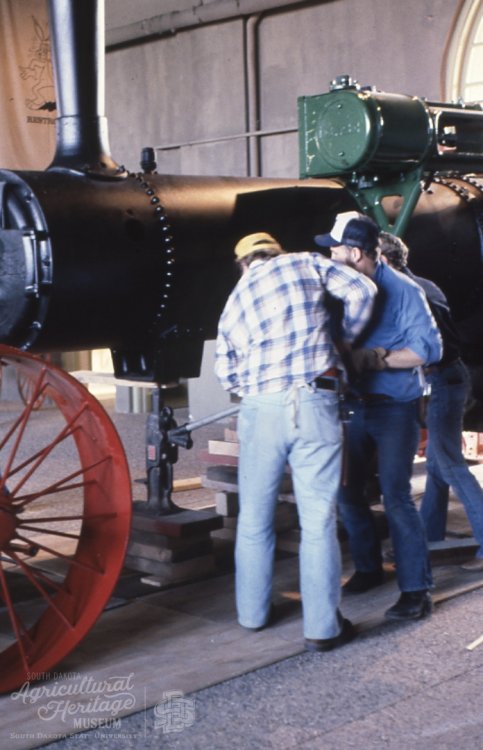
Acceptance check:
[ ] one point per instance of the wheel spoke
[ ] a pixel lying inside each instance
(18, 628)
(11, 431)
(26, 387)
(90, 517)
(61, 556)
(34, 580)
(41, 455)
(23, 422)
(40, 575)
(59, 485)
(37, 386)
(22, 500)
(52, 532)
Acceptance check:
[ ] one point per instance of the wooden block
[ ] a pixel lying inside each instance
(197, 567)
(169, 542)
(164, 554)
(286, 517)
(179, 485)
(193, 483)
(288, 541)
(224, 474)
(223, 448)
(286, 508)
(466, 543)
(225, 534)
(211, 458)
(222, 477)
(183, 524)
(444, 551)
(226, 503)
(230, 522)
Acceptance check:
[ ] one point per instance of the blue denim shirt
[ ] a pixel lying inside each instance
(401, 318)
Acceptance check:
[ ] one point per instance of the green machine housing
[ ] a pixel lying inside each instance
(386, 144)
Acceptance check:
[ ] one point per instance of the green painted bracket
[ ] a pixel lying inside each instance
(369, 197)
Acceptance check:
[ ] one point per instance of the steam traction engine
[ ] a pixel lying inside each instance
(93, 256)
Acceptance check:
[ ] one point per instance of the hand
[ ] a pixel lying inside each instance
(368, 359)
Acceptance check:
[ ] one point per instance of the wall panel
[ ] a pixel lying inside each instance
(193, 85)
(182, 88)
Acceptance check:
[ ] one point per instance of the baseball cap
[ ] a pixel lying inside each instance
(353, 229)
(254, 242)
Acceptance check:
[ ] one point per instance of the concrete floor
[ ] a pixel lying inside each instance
(174, 670)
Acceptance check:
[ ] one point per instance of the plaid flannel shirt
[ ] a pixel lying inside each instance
(275, 329)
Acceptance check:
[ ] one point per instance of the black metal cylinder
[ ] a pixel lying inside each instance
(142, 265)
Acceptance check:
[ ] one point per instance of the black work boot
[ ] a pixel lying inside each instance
(411, 605)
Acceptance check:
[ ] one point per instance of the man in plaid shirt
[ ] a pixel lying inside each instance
(275, 350)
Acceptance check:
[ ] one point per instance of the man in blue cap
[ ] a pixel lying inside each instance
(387, 358)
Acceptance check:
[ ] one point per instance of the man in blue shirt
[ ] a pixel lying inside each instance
(401, 337)
(450, 385)
(274, 349)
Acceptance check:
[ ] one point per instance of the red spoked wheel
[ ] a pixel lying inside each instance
(65, 513)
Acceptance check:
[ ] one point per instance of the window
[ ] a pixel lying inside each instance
(464, 65)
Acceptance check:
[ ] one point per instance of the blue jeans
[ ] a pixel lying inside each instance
(302, 427)
(446, 465)
(392, 429)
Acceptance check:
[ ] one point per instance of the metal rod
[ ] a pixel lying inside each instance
(190, 426)
(235, 136)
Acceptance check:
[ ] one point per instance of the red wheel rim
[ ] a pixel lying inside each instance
(63, 531)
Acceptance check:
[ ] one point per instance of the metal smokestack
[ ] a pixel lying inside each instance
(77, 32)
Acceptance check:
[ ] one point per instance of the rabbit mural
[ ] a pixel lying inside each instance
(39, 69)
